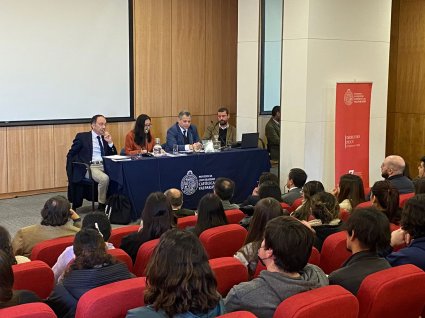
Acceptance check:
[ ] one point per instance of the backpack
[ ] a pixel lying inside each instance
(118, 209)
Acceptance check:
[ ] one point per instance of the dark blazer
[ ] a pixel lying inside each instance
(291, 196)
(414, 254)
(176, 137)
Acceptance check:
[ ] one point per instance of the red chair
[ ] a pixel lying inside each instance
(222, 241)
(239, 314)
(118, 233)
(296, 204)
(143, 256)
(234, 216)
(228, 272)
(344, 215)
(186, 221)
(329, 301)
(285, 206)
(35, 276)
(31, 310)
(403, 198)
(122, 256)
(112, 300)
(365, 204)
(334, 252)
(48, 251)
(393, 292)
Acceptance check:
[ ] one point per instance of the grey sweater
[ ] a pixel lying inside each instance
(262, 295)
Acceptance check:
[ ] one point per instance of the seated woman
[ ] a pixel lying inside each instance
(92, 267)
(303, 212)
(8, 296)
(386, 199)
(350, 191)
(140, 140)
(325, 209)
(265, 210)
(6, 246)
(179, 280)
(210, 214)
(58, 219)
(157, 218)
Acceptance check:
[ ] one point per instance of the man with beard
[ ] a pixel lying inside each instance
(392, 170)
(226, 133)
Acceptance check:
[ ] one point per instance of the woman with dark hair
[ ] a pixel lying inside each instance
(140, 140)
(8, 296)
(157, 218)
(349, 192)
(270, 189)
(92, 267)
(265, 210)
(210, 213)
(58, 219)
(419, 185)
(6, 247)
(309, 189)
(386, 199)
(179, 280)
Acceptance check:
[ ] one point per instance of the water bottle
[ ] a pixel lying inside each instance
(157, 149)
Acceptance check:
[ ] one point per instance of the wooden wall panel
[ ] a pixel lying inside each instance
(160, 126)
(188, 56)
(3, 161)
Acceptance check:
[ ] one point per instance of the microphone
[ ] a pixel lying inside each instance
(146, 130)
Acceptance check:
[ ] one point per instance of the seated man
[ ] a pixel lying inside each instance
(90, 147)
(392, 170)
(224, 189)
(368, 230)
(253, 198)
(284, 251)
(296, 180)
(226, 133)
(183, 134)
(175, 196)
(273, 134)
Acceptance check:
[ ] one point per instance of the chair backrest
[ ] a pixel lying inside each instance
(403, 198)
(48, 251)
(112, 300)
(229, 272)
(186, 221)
(334, 252)
(239, 314)
(344, 215)
(365, 204)
(31, 310)
(143, 256)
(328, 301)
(122, 256)
(393, 292)
(234, 216)
(285, 206)
(296, 204)
(222, 241)
(118, 233)
(35, 276)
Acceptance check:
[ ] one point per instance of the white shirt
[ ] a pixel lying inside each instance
(97, 154)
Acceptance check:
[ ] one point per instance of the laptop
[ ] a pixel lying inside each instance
(249, 140)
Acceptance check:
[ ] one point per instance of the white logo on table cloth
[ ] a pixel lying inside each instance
(189, 183)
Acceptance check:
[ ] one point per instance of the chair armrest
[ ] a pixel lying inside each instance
(85, 165)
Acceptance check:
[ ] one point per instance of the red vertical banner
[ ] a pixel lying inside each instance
(352, 130)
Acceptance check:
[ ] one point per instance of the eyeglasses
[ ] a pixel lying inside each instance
(149, 125)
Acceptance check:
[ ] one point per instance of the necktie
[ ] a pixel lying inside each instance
(186, 139)
(102, 151)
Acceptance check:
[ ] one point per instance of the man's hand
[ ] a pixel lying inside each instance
(107, 136)
(399, 237)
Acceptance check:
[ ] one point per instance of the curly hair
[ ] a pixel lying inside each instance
(309, 189)
(325, 207)
(56, 211)
(413, 216)
(179, 278)
(5, 244)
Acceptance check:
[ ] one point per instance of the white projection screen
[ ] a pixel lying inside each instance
(63, 61)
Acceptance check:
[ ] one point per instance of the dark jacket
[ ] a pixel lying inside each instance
(20, 297)
(402, 183)
(414, 254)
(323, 231)
(176, 137)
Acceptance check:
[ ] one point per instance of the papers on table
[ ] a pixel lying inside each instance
(118, 158)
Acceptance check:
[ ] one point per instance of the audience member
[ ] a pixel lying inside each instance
(210, 213)
(6, 247)
(183, 134)
(140, 139)
(296, 180)
(224, 189)
(273, 134)
(303, 212)
(284, 251)
(349, 192)
(386, 199)
(157, 218)
(58, 219)
(8, 296)
(97, 221)
(269, 189)
(421, 168)
(265, 210)
(367, 232)
(253, 198)
(392, 170)
(93, 267)
(175, 196)
(419, 185)
(89, 148)
(226, 133)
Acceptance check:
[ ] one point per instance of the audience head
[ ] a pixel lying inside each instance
(6, 245)
(223, 116)
(270, 189)
(393, 165)
(386, 198)
(421, 168)
(287, 243)
(142, 129)
(179, 278)
(224, 188)
(157, 216)
(98, 221)
(6, 277)
(210, 213)
(98, 124)
(419, 185)
(268, 176)
(309, 189)
(324, 207)
(296, 178)
(351, 188)
(369, 229)
(175, 196)
(185, 118)
(413, 216)
(56, 211)
(276, 113)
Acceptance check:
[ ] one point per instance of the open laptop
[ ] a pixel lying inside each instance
(249, 140)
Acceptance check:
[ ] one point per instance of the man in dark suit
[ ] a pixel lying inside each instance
(175, 197)
(90, 147)
(273, 134)
(183, 134)
(296, 180)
